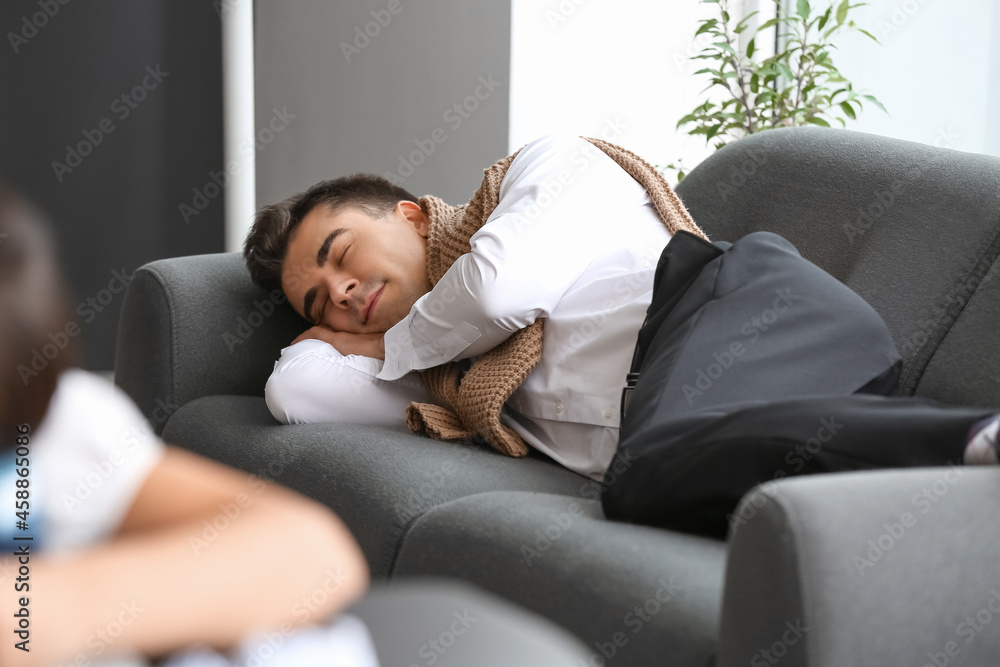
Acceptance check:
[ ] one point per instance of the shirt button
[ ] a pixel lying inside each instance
(559, 408)
(608, 413)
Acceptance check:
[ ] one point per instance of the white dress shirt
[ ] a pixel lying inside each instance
(575, 240)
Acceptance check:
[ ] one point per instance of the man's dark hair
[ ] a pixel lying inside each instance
(35, 308)
(267, 242)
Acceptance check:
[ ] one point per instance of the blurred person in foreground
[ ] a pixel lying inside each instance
(137, 547)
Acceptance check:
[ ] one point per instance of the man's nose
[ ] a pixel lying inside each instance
(342, 290)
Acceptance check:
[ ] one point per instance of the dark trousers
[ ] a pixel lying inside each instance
(755, 365)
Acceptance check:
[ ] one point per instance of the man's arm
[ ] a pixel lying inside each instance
(365, 345)
(314, 382)
(168, 582)
(556, 214)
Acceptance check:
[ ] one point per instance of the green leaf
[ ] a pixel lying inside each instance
(742, 25)
(816, 120)
(766, 24)
(870, 35)
(708, 25)
(849, 110)
(875, 102)
(750, 48)
(826, 17)
(690, 118)
(785, 71)
(803, 8)
(724, 47)
(842, 11)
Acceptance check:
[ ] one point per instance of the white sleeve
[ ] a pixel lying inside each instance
(556, 209)
(93, 452)
(313, 382)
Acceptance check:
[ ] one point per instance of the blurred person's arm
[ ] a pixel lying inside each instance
(205, 555)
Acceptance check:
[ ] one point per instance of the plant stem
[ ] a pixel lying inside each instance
(734, 61)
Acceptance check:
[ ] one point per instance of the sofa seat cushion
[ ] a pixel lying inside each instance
(635, 595)
(376, 479)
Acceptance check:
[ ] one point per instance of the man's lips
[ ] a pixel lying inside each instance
(370, 305)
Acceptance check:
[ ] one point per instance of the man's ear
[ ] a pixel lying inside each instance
(415, 215)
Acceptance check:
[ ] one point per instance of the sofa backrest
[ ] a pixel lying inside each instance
(914, 229)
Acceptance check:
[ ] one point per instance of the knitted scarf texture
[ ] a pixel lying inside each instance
(468, 405)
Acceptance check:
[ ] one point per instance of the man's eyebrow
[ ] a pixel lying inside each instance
(324, 250)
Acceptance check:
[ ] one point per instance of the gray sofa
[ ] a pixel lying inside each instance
(881, 567)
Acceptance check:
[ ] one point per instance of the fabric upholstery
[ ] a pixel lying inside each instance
(376, 479)
(636, 595)
(879, 568)
(446, 623)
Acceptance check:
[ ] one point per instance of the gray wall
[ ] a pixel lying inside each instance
(62, 75)
(361, 100)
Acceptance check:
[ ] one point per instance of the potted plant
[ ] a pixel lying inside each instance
(798, 84)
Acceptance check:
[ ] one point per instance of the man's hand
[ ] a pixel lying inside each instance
(366, 345)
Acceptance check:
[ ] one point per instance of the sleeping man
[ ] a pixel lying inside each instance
(514, 319)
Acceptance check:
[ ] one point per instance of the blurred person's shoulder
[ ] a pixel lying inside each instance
(92, 452)
(90, 416)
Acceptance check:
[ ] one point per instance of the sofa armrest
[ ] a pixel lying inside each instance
(197, 326)
(897, 567)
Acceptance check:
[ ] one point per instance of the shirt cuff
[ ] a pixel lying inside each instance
(401, 358)
(398, 351)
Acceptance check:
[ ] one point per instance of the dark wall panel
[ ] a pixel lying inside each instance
(111, 114)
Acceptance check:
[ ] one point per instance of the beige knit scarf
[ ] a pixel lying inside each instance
(469, 405)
